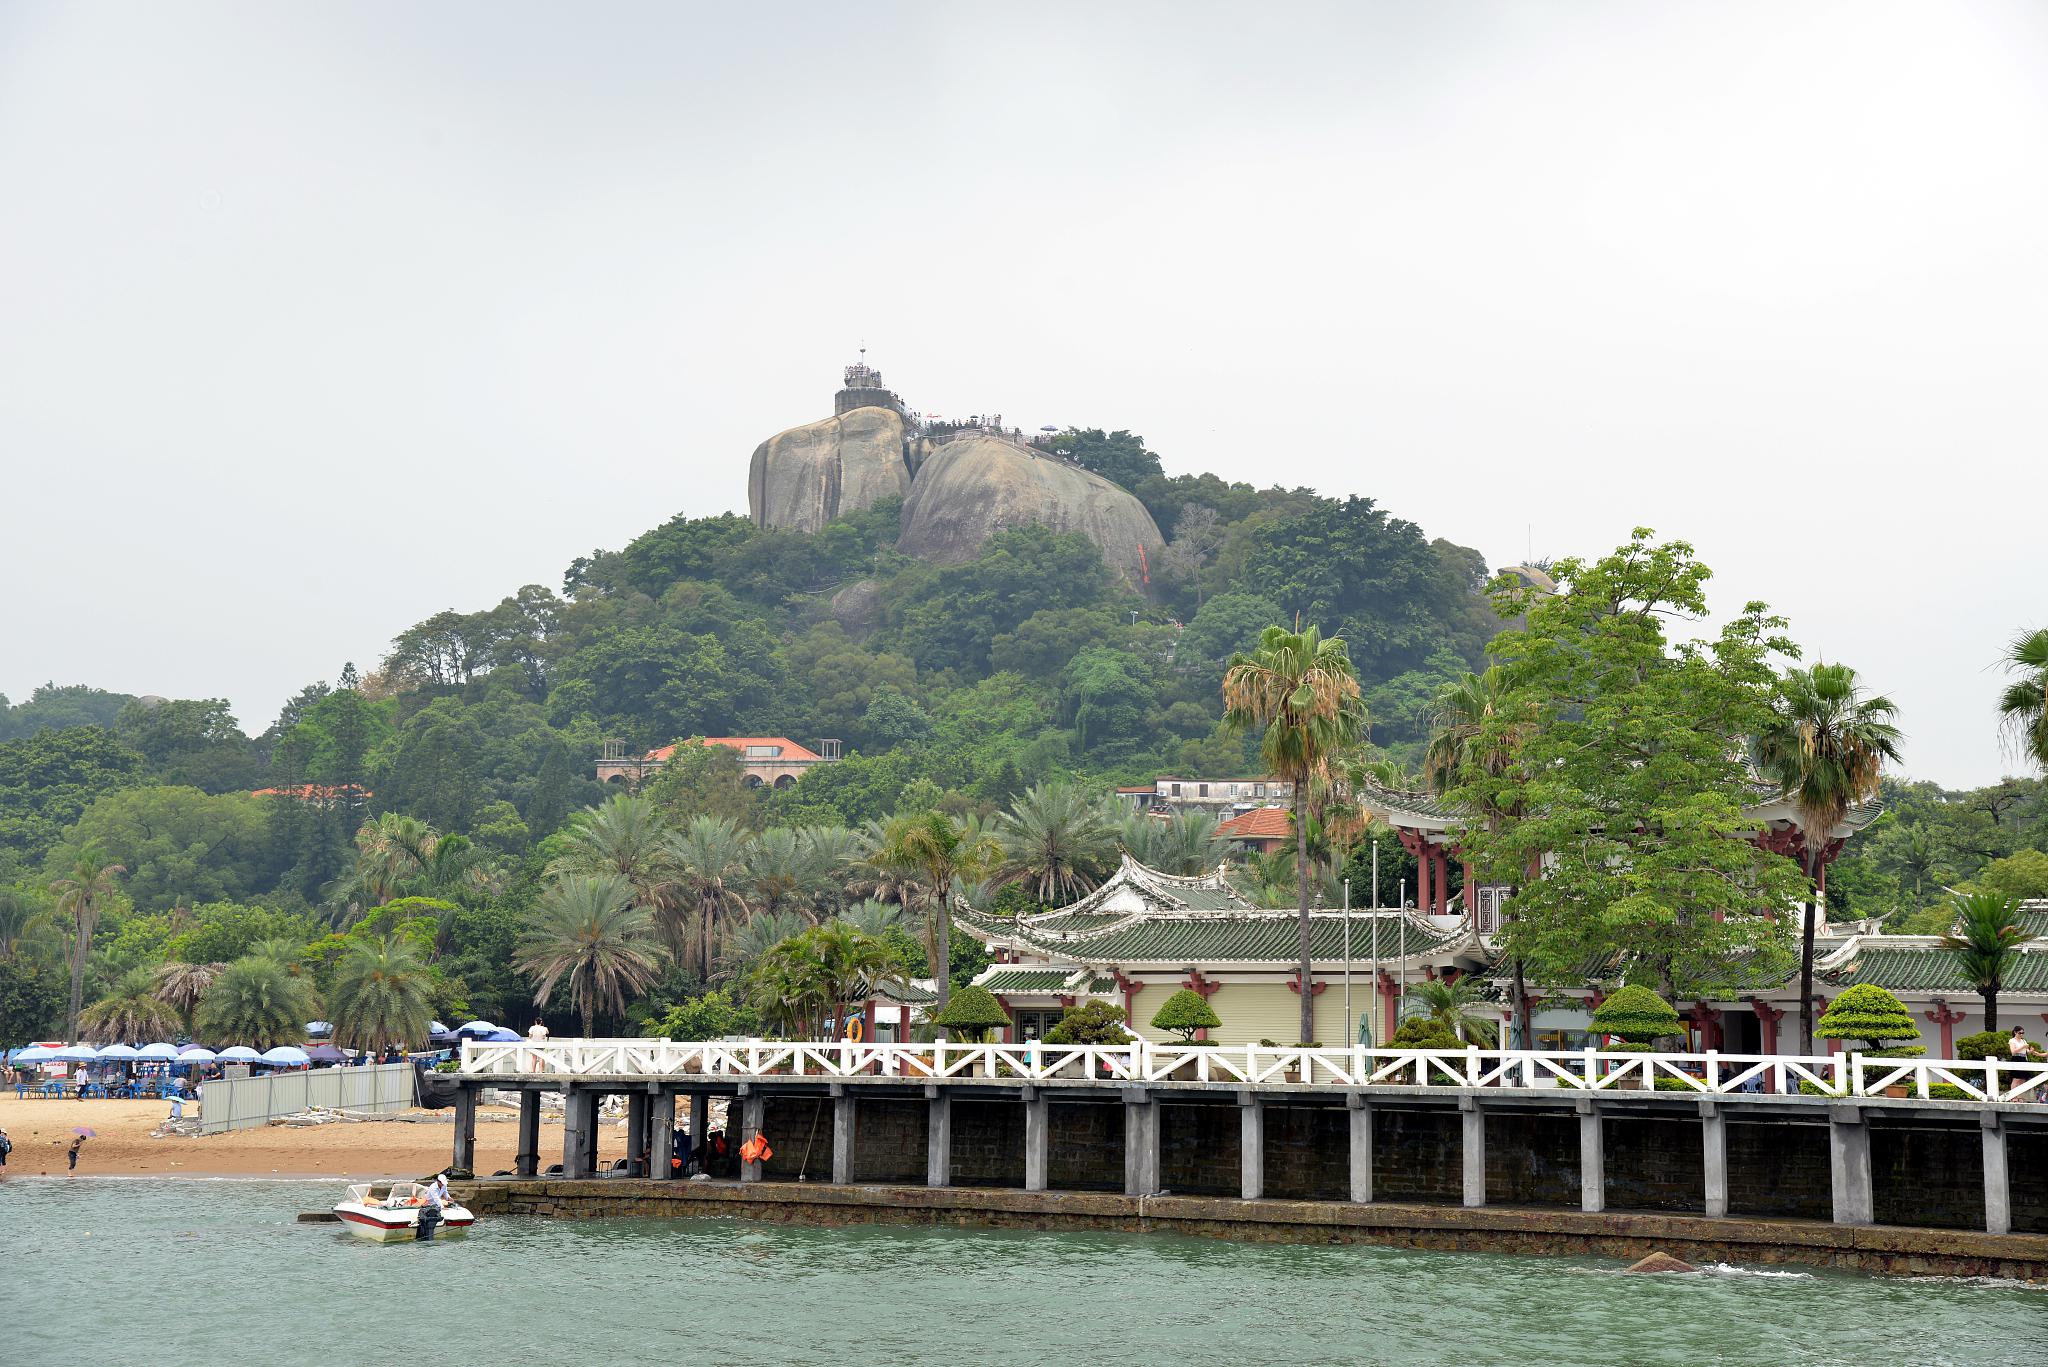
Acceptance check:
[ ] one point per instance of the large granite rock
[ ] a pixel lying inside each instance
(805, 477)
(969, 489)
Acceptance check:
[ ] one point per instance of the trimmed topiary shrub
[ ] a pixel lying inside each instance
(1636, 1015)
(1869, 1013)
(1421, 1032)
(1984, 1044)
(1184, 1013)
(971, 1014)
(1092, 1022)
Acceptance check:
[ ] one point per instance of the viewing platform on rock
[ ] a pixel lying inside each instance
(1866, 1141)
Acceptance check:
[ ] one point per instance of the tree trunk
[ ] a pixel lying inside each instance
(1521, 990)
(1990, 1009)
(1308, 994)
(82, 948)
(1806, 910)
(942, 950)
(589, 1020)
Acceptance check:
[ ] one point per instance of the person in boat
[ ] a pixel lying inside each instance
(437, 1190)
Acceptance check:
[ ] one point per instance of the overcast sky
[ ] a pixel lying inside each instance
(315, 319)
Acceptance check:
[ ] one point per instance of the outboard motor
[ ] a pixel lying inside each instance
(430, 1220)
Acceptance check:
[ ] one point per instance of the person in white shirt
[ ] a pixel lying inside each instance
(536, 1034)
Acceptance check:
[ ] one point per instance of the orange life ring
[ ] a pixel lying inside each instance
(854, 1030)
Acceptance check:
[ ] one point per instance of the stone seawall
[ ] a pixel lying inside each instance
(1493, 1229)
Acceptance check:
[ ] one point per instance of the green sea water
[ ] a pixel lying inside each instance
(111, 1271)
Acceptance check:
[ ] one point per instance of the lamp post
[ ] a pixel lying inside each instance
(1350, 1035)
(1373, 1033)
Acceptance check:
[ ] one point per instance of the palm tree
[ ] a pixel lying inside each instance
(851, 962)
(786, 871)
(131, 1012)
(871, 917)
(82, 896)
(2023, 708)
(938, 852)
(183, 986)
(389, 850)
(838, 852)
(1056, 841)
(1825, 748)
(255, 1002)
(627, 836)
(1986, 940)
(380, 995)
(592, 930)
(1303, 690)
(751, 939)
(1185, 843)
(708, 859)
(1457, 1004)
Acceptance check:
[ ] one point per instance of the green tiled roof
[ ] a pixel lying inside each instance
(897, 991)
(1027, 979)
(1434, 808)
(1903, 968)
(2034, 916)
(1252, 936)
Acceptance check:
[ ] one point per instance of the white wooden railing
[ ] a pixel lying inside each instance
(1710, 1073)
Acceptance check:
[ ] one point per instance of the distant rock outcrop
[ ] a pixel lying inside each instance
(803, 478)
(972, 487)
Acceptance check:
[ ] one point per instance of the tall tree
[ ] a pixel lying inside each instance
(589, 929)
(130, 1013)
(1986, 941)
(1630, 777)
(380, 996)
(256, 1001)
(1824, 746)
(1056, 841)
(709, 857)
(1304, 692)
(2024, 706)
(83, 896)
(936, 853)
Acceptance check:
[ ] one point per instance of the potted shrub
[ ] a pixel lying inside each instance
(1092, 1022)
(1868, 1013)
(1185, 1012)
(1638, 1018)
(971, 1015)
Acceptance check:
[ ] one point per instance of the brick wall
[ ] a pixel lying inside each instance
(889, 1140)
(799, 1130)
(1532, 1160)
(1779, 1170)
(1417, 1156)
(1198, 1150)
(988, 1143)
(1928, 1176)
(1308, 1153)
(2026, 1166)
(1655, 1164)
(1086, 1140)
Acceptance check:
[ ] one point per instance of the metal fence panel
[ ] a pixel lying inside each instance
(245, 1102)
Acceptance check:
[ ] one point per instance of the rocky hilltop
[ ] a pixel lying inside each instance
(960, 487)
(972, 487)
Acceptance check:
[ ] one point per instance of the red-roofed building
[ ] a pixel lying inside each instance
(320, 793)
(769, 761)
(1264, 829)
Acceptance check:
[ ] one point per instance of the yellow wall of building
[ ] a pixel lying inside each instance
(1251, 1012)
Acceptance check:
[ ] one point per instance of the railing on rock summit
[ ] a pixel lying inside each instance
(1141, 1061)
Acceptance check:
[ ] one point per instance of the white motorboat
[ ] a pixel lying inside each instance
(390, 1211)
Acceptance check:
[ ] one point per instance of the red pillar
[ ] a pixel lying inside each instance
(903, 1024)
(1768, 1016)
(1425, 864)
(1443, 881)
(1946, 1018)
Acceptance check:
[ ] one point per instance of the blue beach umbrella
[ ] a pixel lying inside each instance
(499, 1035)
(477, 1030)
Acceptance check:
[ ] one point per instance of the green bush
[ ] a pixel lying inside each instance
(1869, 1013)
(972, 1013)
(1947, 1091)
(1184, 1013)
(1092, 1022)
(1635, 1014)
(1984, 1044)
(1421, 1032)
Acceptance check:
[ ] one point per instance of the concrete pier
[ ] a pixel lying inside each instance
(1251, 1145)
(1592, 1159)
(1849, 1166)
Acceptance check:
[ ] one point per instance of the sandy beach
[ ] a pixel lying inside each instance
(415, 1143)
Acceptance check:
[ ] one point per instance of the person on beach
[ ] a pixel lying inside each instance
(6, 1147)
(72, 1152)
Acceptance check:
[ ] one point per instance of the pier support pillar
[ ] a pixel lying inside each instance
(938, 1139)
(661, 1123)
(1361, 1147)
(1141, 1144)
(526, 1157)
(1037, 1139)
(579, 1132)
(752, 1109)
(1251, 1145)
(842, 1138)
(1474, 1165)
(1592, 1159)
(1714, 1156)
(636, 1134)
(1997, 1186)
(1849, 1164)
(700, 1124)
(465, 1129)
